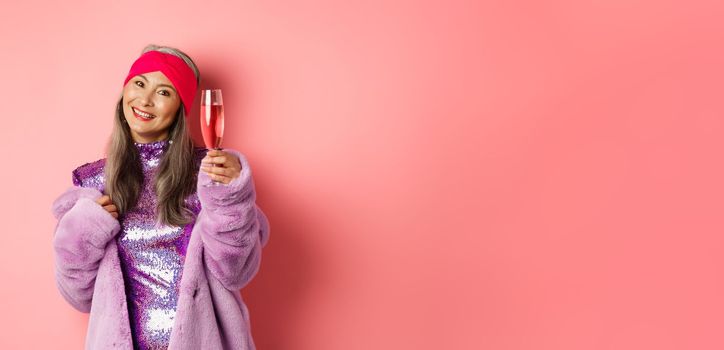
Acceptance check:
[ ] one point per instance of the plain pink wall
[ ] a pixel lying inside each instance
(498, 175)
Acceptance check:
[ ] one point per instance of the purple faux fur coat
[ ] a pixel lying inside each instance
(223, 255)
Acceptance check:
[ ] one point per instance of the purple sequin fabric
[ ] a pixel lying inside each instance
(152, 257)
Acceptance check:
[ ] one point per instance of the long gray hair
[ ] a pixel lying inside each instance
(176, 175)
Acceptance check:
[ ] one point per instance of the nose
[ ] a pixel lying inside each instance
(146, 98)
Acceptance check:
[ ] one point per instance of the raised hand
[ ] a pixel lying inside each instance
(221, 166)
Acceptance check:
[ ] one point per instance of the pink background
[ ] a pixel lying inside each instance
(499, 175)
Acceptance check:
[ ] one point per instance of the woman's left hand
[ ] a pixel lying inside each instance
(229, 167)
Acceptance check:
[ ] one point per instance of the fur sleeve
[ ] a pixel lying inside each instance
(79, 241)
(233, 228)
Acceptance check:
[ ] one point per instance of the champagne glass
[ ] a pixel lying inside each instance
(212, 118)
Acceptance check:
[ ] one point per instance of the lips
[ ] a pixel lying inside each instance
(135, 113)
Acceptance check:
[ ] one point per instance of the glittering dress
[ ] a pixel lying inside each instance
(152, 258)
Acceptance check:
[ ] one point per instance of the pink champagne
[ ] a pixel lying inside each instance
(212, 125)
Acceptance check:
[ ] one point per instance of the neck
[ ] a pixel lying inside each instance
(150, 139)
(151, 150)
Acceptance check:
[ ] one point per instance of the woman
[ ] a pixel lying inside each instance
(156, 240)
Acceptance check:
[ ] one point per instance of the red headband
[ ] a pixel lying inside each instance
(174, 68)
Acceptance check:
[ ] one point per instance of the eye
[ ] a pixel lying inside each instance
(139, 82)
(166, 93)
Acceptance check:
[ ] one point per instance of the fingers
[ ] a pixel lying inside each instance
(218, 173)
(220, 157)
(112, 210)
(221, 166)
(104, 200)
(215, 152)
(208, 160)
(220, 178)
(217, 170)
(107, 204)
(212, 155)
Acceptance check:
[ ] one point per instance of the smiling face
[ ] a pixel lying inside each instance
(150, 104)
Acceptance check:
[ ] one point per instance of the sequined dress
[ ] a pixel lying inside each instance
(152, 258)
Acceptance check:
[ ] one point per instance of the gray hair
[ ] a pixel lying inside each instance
(177, 172)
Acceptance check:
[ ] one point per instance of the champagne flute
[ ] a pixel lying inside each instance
(212, 119)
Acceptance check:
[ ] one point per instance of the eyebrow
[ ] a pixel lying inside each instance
(144, 78)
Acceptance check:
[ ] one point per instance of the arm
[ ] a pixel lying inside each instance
(81, 234)
(232, 227)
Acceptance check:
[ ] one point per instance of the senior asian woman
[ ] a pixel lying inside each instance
(156, 240)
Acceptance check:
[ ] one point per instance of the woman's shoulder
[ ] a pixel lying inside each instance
(90, 174)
